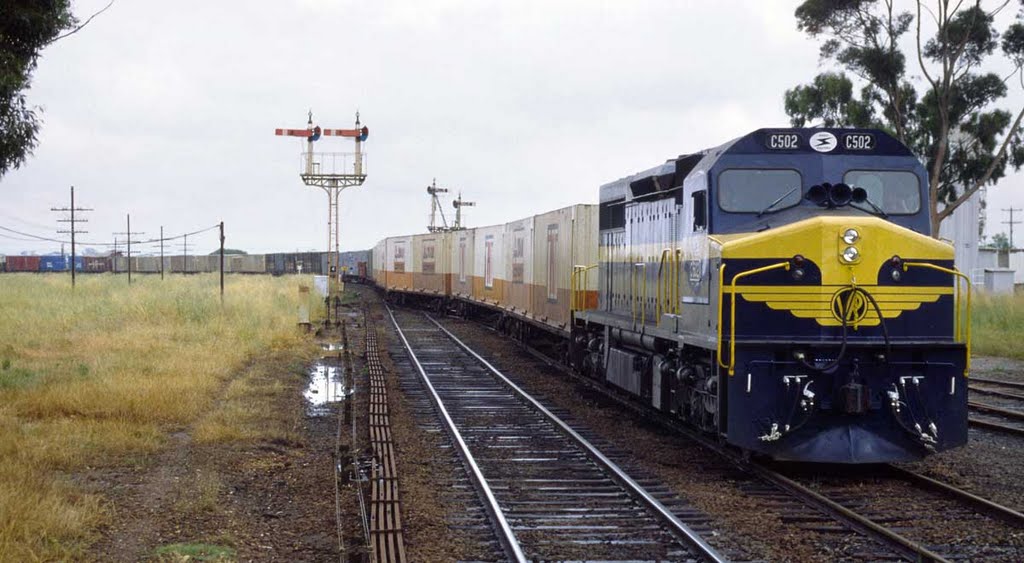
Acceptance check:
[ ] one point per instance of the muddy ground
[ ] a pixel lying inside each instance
(244, 500)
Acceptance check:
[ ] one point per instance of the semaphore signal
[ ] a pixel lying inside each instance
(332, 173)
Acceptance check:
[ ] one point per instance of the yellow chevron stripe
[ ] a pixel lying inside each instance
(815, 302)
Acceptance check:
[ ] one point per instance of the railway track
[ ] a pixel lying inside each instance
(548, 491)
(1002, 411)
(867, 515)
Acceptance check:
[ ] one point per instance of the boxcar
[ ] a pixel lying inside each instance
(96, 264)
(58, 263)
(23, 263)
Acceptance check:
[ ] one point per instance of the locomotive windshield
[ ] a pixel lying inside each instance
(895, 192)
(753, 190)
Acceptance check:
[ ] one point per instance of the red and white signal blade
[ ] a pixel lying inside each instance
(293, 132)
(341, 132)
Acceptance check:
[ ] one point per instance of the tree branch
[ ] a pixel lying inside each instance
(988, 172)
(920, 55)
(79, 28)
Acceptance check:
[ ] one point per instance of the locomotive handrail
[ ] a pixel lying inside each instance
(732, 312)
(673, 306)
(957, 332)
(578, 271)
(633, 284)
(677, 297)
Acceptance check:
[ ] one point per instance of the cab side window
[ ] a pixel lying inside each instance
(700, 210)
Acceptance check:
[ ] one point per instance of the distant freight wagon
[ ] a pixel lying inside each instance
(22, 263)
(59, 263)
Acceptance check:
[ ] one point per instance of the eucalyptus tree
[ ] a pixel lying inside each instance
(925, 77)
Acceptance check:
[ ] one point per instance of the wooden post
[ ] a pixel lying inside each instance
(222, 261)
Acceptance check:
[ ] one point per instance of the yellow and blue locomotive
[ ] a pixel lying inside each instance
(782, 291)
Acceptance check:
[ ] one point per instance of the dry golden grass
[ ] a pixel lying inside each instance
(100, 376)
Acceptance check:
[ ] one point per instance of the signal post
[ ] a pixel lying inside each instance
(332, 172)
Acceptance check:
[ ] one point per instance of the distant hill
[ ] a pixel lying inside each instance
(229, 251)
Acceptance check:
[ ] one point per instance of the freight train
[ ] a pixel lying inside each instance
(352, 263)
(780, 291)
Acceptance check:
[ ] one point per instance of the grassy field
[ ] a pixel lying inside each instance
(101, 376)
(998, 325)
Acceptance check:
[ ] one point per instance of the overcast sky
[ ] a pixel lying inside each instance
(167, 110)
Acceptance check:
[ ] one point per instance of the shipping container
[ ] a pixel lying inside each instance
(429, 263)
(518, 295)
(57, 263)
(460, 260)
(22, 263)
(398, 263)
(489, 276)
(378, 259)
(3, 263)
(565, 240)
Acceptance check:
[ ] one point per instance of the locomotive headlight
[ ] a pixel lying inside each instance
(850, 254)
(851, 236)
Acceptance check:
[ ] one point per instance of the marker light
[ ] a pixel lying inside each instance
(851, 254)
(851, 236)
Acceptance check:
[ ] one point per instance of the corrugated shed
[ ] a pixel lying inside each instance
(961, 228)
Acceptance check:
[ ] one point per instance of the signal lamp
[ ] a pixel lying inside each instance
(851, 236)
(851, 254)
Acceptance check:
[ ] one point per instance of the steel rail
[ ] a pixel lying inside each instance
(1006, 514)
(996, 393)
(1018, 415)
(505, 534)
(995, 426)
(1017, 384)
(856, 522)
(864, 525)
(678, 527)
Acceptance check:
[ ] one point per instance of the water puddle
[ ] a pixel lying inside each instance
(326, 384)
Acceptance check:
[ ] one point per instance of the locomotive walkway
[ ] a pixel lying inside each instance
(549, 492)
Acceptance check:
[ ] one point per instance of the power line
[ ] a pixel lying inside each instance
(128, 234)
(106, 244)
(1011, 222)
(73, 231)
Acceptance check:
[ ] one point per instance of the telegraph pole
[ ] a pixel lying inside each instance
(222, 261)
(130, 234)
(161, 252)
(73, 231)
(184, 249)
(1011, 222)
